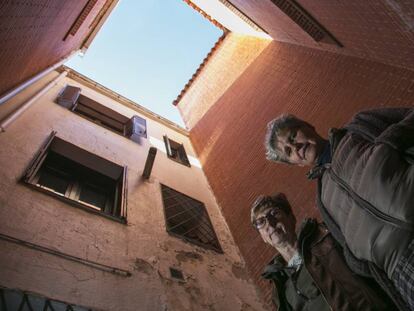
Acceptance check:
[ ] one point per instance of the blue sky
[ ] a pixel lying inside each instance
(148, 50)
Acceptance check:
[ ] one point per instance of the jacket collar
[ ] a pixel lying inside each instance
(334, 138)
(277, 265)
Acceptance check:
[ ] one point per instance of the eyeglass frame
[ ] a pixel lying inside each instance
(273, 212)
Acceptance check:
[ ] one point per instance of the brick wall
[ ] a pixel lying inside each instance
(380, 30)
(322, 87)
(236, 52)
(31, 36)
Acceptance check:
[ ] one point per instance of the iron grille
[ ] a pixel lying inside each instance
(187, 218)
(305, 21)
(15, 300)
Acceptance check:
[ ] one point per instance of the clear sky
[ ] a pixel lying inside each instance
(147, 51)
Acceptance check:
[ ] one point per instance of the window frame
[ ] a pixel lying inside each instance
(181, 157)
(31, 178)
(71, 98)
(217, 249)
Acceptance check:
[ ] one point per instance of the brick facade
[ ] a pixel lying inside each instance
(32, 33)
(377, 30)
(322, 87)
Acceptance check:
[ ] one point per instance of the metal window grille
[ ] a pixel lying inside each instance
(187, 218)
(305, 21)
(81, 18)
(15, 300)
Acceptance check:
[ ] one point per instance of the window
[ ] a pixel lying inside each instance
(305, 21)
(79, 177)
(187, 218)
(134, 128)
(11, 300)
(176, 151)
(81, 18)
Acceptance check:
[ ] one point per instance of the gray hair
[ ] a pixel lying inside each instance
(284, 121)
(264, 202)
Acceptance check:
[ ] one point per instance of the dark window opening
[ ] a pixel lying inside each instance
(176, 274)
(176, 151)
(67, 171)
(305, 21)
(187, 218)
(81, 18)
(133, 128)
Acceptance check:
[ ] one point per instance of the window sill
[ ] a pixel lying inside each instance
(178, 161)
(195, 242)
(78, 204)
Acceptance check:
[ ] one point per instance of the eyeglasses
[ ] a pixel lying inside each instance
(260, 222)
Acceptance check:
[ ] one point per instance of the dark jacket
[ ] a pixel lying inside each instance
(366, 193)
(324, 281)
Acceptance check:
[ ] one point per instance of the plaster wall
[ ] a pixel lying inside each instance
(212, 281)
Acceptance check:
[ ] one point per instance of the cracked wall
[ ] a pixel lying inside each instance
(212, 281)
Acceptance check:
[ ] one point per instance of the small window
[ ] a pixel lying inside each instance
(187, 218)
(176, 151)
(305, 21)
(79, 177)
(81, 18)
(134, 128)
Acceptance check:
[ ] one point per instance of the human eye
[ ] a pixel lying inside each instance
(288, 151)
(292, 136)
(260, 222)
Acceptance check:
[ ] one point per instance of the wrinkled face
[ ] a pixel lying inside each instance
(276, 227)
(300, 146)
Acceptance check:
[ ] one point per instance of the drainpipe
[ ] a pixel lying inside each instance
(14, 115)
(32, 80)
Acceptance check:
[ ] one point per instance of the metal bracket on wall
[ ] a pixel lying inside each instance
(86, 262)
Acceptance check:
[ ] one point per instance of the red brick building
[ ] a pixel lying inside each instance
(328, 60)
(35, 35)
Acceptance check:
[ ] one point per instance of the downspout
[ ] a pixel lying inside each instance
(32, 80)
(14, 115)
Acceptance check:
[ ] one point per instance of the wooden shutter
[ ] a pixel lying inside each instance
(167, 145)
(38, 159)
(136, 128)
(124, 200)
(69, 96)
(152, 152)
(183, 156)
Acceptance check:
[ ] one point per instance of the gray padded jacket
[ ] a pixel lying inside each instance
(366, 193)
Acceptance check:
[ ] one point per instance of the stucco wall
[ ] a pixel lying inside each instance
(213, 281)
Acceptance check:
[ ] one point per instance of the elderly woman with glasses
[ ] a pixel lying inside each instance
(309, 273)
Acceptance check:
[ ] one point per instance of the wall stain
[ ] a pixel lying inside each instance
(184, 256)
(239, 272)
(143, 266)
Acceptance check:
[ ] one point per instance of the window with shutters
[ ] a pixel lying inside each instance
(79, 177)
(187, 218)
(133, 128)
(176, 151)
